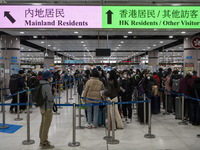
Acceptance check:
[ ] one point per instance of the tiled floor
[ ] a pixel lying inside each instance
(169, 135)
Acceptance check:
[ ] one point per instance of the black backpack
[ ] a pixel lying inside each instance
(13, 84)
(32, 82)
(38, 98)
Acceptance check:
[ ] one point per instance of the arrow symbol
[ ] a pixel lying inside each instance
(7, 14)
(109, 17)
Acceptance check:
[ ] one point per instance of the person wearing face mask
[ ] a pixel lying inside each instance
(102, 77)
(126, 89)
(46, 110)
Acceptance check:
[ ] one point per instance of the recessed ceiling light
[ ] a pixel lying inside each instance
(22, 47)
(125, 36)
(148, 47)
(76, 32)
(183, 32)
(29, 49)
(180, 47)
(42, 42)
(49, 45)
(82, 41)
(171, 36)
(54, 47)
(122, 42)
(21, 32)
(84, 45)
(79, 36)
(154, 44)
(130, 32)
(35, 37)
(144, 49)
(161, 41)
(155, 29)
(119, 45)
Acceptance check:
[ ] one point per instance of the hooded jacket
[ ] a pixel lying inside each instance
(47, 92)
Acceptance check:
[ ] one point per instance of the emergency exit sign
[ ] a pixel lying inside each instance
(100, 17)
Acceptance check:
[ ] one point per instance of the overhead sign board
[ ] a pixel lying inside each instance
(56, 16)
(151, 17)
(29, 16)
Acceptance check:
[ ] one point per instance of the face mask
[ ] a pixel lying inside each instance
(148, 78)
(125, 75)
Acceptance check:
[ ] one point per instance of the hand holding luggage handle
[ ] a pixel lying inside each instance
(183, 122)
(149, 135)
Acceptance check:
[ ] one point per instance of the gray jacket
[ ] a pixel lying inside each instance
(47, 91)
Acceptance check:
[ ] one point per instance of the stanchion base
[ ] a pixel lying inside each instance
(198, 135)
(80, 127)
(26, 142)
(60, 107)
(4, 127)
(149, 136)
(27, 112)
(183, 123)
(74, 94)
(113, 141)
(56, 113)
(76, 144)
(70, 98)
(166, 113)
(107, 138)
(18, 119)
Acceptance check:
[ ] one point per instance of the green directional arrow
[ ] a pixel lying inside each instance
(109, 17)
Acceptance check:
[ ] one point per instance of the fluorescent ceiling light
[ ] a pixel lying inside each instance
(21, 32)
(171, 36)
(130, 32)
(76, 32)
(125, 36)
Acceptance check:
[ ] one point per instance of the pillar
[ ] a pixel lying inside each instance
(192, 54)
(49, 60)
(137, 59)
(63, 58)
(10, 57)
(153, 60)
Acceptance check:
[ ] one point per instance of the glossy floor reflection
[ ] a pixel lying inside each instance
(169, 135)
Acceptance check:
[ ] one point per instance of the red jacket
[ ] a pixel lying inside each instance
(157, 79)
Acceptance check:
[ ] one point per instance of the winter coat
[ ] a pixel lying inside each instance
(47, 92)
(92, 89)
(147, 85)
(128, 87)
(157, 78)
(184, 85)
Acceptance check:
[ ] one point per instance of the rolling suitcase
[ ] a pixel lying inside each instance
(178, 108)
(140, 111)
(155, 104)
(101, 117)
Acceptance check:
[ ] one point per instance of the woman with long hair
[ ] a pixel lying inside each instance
(112, 95)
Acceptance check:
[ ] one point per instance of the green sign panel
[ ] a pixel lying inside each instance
(175, 17)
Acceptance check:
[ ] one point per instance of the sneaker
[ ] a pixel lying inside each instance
(93, 126)
(124, 119)
(47, 146)
(88, 126)
(128, 120)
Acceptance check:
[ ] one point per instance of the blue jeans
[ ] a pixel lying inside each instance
(94, 113)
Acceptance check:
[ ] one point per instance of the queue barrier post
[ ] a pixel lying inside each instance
(59, 97)
(113, 140)
(145, 113)
(79, 114)
(183, 122)
(28, 141)
(18, 111)
(149, 135)
(108, 137)
(166, 105)
(74, 143)
(67, 94)
(71, 98)
(4, 126)
(75, 86)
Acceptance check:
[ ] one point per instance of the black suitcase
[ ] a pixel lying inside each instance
(140, 110)
(155, 104)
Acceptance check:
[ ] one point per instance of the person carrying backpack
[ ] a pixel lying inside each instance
(174, 83)
(45, 109)
(17, 84)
